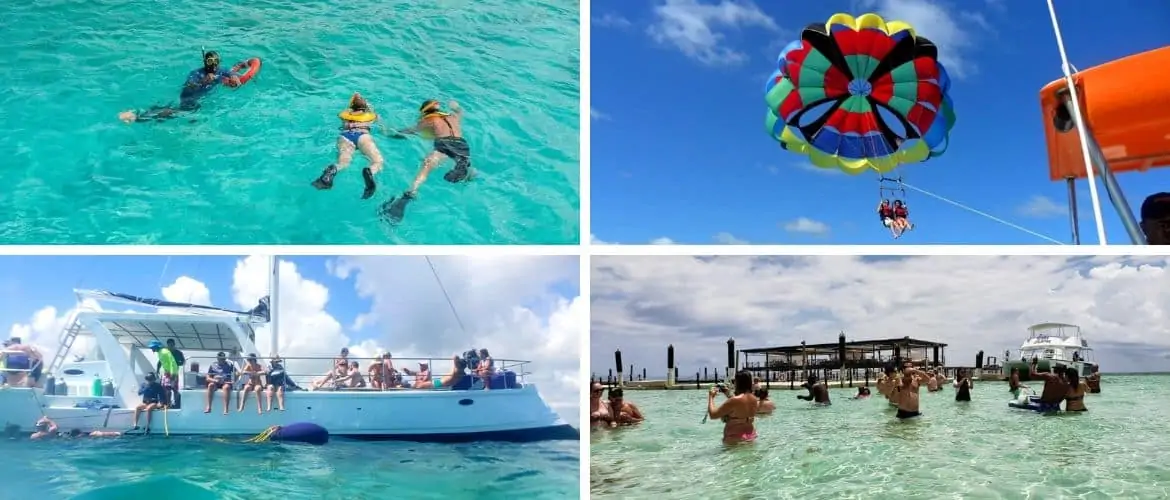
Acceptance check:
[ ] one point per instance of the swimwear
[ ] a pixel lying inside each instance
(225, 370)
(354, 134)
(749, 437)
(903, 414)
(276, 378)
(1043, 407)
(455, 148)
(17, 361)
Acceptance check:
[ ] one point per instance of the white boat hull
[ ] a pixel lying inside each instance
(508, 414)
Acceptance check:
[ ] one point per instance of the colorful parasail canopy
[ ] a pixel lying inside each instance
(860, 94)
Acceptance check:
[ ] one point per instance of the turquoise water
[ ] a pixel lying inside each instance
(240, 173)
(197, 469)
(1119, 449)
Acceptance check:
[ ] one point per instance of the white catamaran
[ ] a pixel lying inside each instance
(99, 389)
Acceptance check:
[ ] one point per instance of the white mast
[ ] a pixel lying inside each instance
(273, 292)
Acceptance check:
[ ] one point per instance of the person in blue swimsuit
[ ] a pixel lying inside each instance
(356, 121)
(200, 82)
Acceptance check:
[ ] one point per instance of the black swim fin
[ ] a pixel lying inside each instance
(371, 186)
(325, 181)
(457, 174)
(395, 209)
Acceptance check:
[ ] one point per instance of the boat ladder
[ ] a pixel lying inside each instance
(66, 343)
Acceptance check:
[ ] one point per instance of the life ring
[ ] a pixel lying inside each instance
(253, 66)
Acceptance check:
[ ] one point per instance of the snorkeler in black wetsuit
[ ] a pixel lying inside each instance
(200, 82)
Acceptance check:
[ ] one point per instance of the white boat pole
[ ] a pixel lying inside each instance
(1066, 68)
(273, 317)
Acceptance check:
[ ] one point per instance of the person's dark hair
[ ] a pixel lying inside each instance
(889, 369)
(762, 394)
(1074, 378)
(170, 342)
(74, 432)
(483, 353)
(460, 364)
(1156, 206)
(615, 392)
(743, 382)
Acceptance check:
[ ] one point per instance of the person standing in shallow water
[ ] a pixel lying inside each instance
(963, 386)
(1094, 380)
(1055, 387)
(818, 392)
(1074, 399)
(907, 395)
(738, 412)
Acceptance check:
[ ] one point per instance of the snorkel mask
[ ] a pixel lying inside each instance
(429, 107)
(210, 61)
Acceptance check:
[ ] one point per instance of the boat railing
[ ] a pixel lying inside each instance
(402, 374)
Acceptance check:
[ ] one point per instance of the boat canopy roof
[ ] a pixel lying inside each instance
(1051, 326)
(192, 326)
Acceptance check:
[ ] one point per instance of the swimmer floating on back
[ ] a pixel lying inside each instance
(446, 130)
(356, 121)
(200, 82)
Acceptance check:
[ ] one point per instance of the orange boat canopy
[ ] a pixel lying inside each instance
(1126, 104)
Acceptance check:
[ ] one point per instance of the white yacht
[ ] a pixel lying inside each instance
(1053, 344)
(98, 390)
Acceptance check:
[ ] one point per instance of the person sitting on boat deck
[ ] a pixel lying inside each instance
(1094, 380)
(1156, 218)
(252, 378)
(277, 383)
(44, 429)
(458, 371)
(598, 408)
(738, 413)
(168, 367)
(963, 386)
(422, 378)
(221, 375)
(485, 369)
(356, 120)
(383, 368)
(200, 82)
(353, 377)
(767, 406)
(1055, 387)
(334, 378)
(862, 392)
(885, 213)
(818, 392)
(1074, 399)
(23, 364)
(901, 218)
(446, 131)
(153, 398)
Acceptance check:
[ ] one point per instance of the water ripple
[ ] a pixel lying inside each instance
(239, 173)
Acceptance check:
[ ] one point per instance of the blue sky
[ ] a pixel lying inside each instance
(679, 149)
(29, 283)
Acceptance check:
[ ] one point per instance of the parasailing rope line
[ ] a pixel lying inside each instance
(445, 294)
(984, 214)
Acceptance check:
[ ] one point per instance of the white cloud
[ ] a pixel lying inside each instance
(806, 225)
(506, 305)
(594, 240)
(662, 241)
(641, 304)
(955, 33)
(729, 239)
(594, 114)
(611, 21)
(1042, 207)
(699, 29)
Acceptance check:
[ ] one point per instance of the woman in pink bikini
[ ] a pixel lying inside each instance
(738, 412)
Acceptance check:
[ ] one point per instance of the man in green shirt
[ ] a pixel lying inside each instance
(168, 368)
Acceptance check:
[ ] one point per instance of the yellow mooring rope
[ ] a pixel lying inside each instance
(264, 436)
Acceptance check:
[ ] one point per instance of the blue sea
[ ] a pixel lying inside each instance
(188, 468)
(238, 170)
